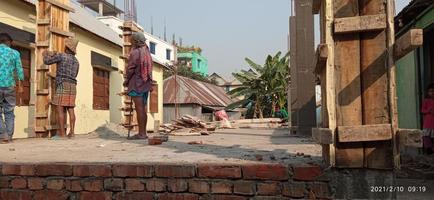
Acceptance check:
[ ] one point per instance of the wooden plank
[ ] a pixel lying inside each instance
(410, 138)
(43, 44)
(393, 104)
(321, 56)
(410, 41)
(373, 48)
(330, 85)
(322, 135)
(348, 83)
(360, 23)
(316, 6)
(43, 92)
(61, 5)
(61, 32)
(43, 21)
(365, 133)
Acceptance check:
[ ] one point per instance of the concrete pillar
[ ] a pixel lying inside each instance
(101, 8)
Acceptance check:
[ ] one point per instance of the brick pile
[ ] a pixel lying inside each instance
(161, 181)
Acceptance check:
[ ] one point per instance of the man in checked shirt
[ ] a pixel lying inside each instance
(66, 83)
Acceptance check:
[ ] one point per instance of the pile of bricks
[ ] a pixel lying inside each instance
(161, 181)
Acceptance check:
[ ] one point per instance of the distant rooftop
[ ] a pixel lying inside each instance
(107, 9)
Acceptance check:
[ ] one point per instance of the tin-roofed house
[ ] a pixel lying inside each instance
(185, 96)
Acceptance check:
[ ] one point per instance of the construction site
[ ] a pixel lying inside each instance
(372, 66)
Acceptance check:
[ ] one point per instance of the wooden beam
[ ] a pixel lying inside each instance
(408, 42)
(321, 56)
(365, 133)
(61, 32)
(316, 6)
(410, 138)
(322, 135)
(360, 23)
(61, 5)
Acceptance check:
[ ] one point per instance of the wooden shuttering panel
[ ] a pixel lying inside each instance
(52, 34)
(359, 66)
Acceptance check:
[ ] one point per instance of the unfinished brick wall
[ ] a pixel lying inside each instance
(161, 181)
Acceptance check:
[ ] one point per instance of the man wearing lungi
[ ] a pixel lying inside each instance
(66, 83)
(139, 81)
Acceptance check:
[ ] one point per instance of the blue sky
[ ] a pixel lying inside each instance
(226, 30)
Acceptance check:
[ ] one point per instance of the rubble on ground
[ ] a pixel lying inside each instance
(188, 126)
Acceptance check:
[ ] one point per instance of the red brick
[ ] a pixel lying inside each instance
(93, 185)
(4, 182)
(53, 170)
(155, 141)
(273, 172)
(55, 184)
(306, 173)
(35, 183)
(245, 187)
(95, 196)
(156, 185)
(269, 188)
(223, 197)
(132, 171)
(172, 196)
(19, 183)
(50, 195)
(114, 184)
(134, 196)
(221, 188)
(134, 185)
(73, 185)
(175, 171)
(294, 189)
(200, 187)
(92, 170)
(19, 170)
(219, 171)
(15, 195)
(177, 185)
(321, 190)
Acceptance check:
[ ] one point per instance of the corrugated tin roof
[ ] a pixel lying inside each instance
(190, 91)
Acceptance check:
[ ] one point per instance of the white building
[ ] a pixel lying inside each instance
(162, 52)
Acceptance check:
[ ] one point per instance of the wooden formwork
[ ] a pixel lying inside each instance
(52, 29)
(356, 66)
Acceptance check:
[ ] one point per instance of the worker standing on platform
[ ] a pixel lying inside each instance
(139, 81)
(10, 63)
(66, 83)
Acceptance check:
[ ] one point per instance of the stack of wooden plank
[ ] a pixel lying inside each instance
(265, 123)
(188, 126)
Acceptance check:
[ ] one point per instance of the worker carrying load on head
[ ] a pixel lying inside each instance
(66, 83)
(139, 81)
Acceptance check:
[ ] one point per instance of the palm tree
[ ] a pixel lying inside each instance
(263, 86)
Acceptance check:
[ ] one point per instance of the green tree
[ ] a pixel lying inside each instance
(264, 87)
(186, 72)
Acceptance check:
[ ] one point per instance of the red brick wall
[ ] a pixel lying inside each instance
(160, 181)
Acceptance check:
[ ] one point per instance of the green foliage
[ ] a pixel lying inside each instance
(265, 87)
(186, 72)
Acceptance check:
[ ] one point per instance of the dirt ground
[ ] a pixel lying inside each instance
(109, 144)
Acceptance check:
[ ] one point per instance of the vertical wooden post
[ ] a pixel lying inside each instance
(52, 30)
(347, 65)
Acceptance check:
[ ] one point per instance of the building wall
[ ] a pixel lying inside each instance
(161, 45)
(16, 14)
(188, 109)
(196, 65)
